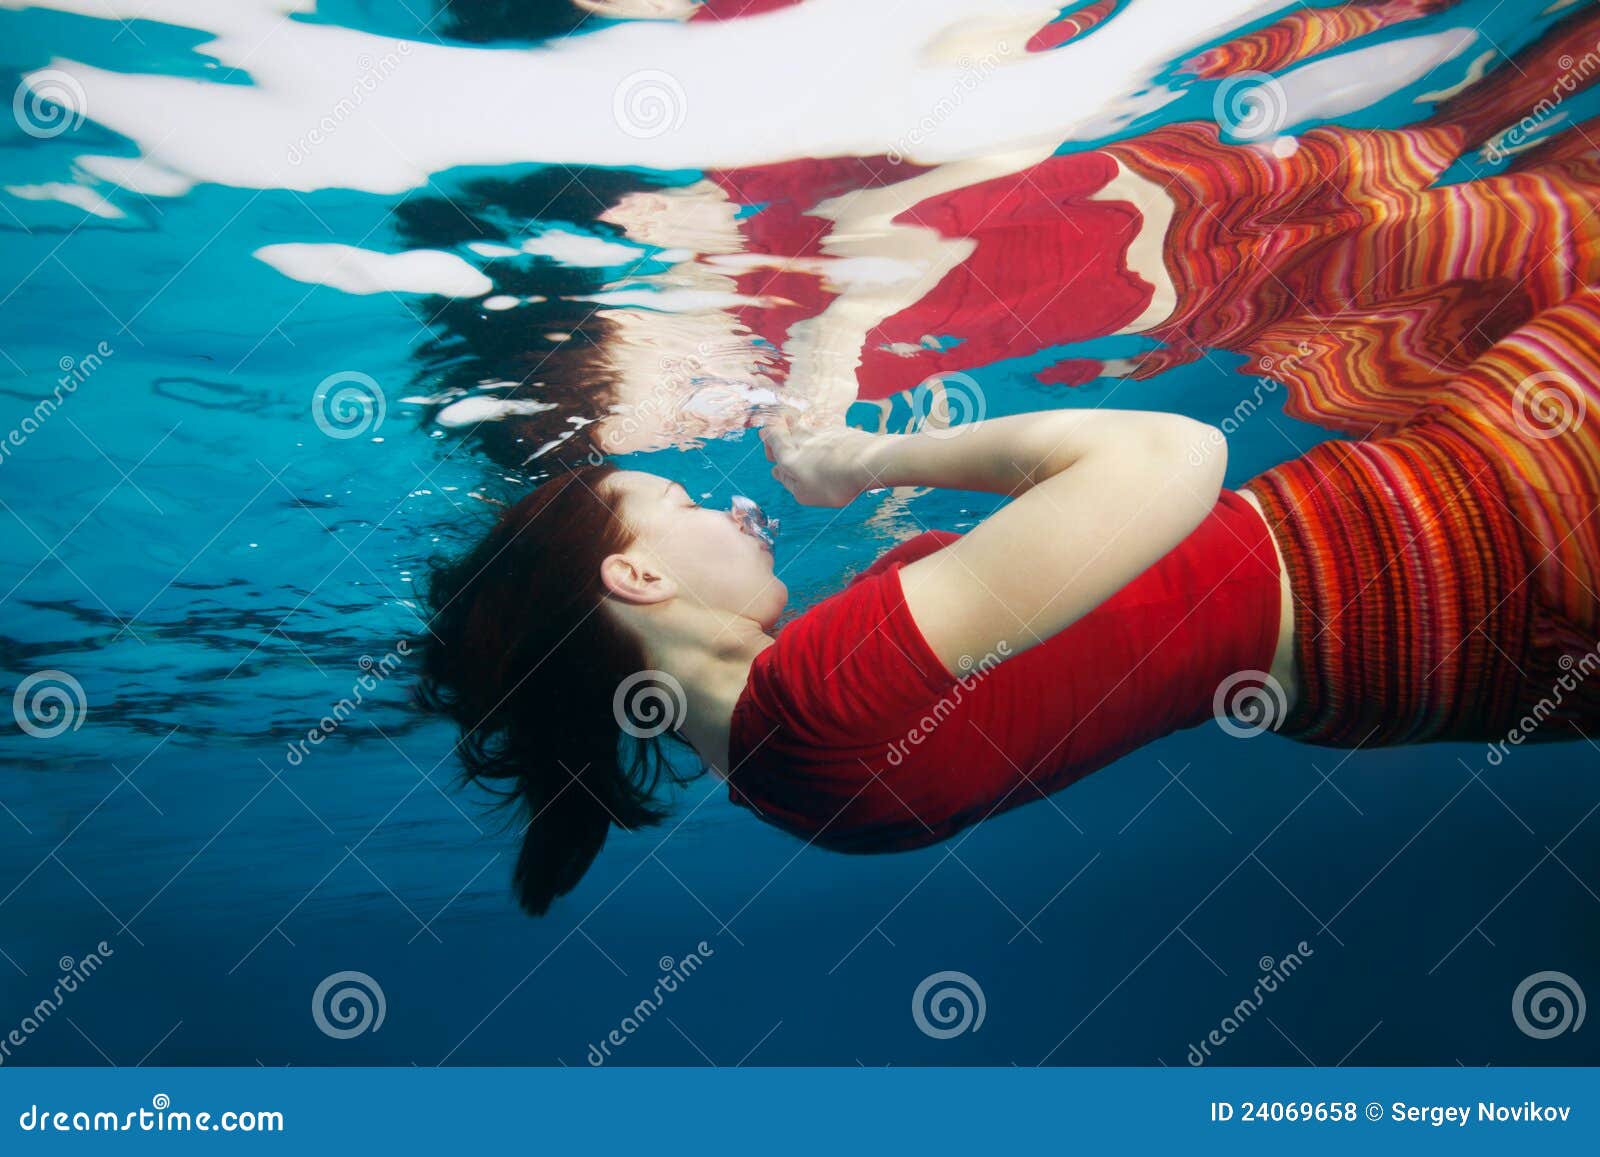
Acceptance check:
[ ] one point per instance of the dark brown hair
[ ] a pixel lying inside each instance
(523, 657)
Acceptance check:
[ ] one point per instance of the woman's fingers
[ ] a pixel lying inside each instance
(776, 439)
(784, 479)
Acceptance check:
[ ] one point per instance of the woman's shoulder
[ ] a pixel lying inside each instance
(842, 668)
(918, 546)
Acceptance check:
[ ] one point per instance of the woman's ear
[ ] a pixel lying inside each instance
(633, 580)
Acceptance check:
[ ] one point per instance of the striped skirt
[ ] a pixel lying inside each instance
(1445, 576)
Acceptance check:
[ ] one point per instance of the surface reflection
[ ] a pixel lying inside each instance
(679, 309)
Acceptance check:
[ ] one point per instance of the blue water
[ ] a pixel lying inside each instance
(184, 542)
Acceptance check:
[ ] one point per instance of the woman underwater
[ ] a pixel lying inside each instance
(1437, 583)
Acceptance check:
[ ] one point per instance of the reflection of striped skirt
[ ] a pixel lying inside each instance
(1445, 577)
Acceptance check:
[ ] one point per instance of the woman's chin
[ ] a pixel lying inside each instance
(777, 603)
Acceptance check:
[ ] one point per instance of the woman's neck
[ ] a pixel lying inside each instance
(708, 653)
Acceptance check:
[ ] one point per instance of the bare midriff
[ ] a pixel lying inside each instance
(1283, 664)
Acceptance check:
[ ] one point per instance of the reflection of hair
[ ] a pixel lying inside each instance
(482, 21)
(471, 346)
(520, 654)
(511, 345)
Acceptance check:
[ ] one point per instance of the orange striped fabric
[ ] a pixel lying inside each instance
(1306, 33)
(1445, 576)
(1067, 27)
(1344, 272)
(1345, 256)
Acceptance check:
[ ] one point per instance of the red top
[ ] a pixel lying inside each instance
(852, 734)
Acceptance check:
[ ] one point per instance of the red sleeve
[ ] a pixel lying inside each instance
(909, 551)
(848, 671)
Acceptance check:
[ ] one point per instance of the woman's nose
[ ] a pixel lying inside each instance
(751, 519)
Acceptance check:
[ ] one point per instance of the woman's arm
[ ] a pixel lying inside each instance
(1100, 495)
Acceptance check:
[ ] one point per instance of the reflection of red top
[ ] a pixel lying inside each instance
(733, 9)
(782, 195)
(1050, 267)
(850, 732)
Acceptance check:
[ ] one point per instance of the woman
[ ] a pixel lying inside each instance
(1434, 584)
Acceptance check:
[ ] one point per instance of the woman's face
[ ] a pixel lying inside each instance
(704, 551)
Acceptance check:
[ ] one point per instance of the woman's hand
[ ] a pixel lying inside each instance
(826, 467)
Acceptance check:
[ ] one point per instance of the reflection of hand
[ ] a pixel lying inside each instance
(820, 467)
